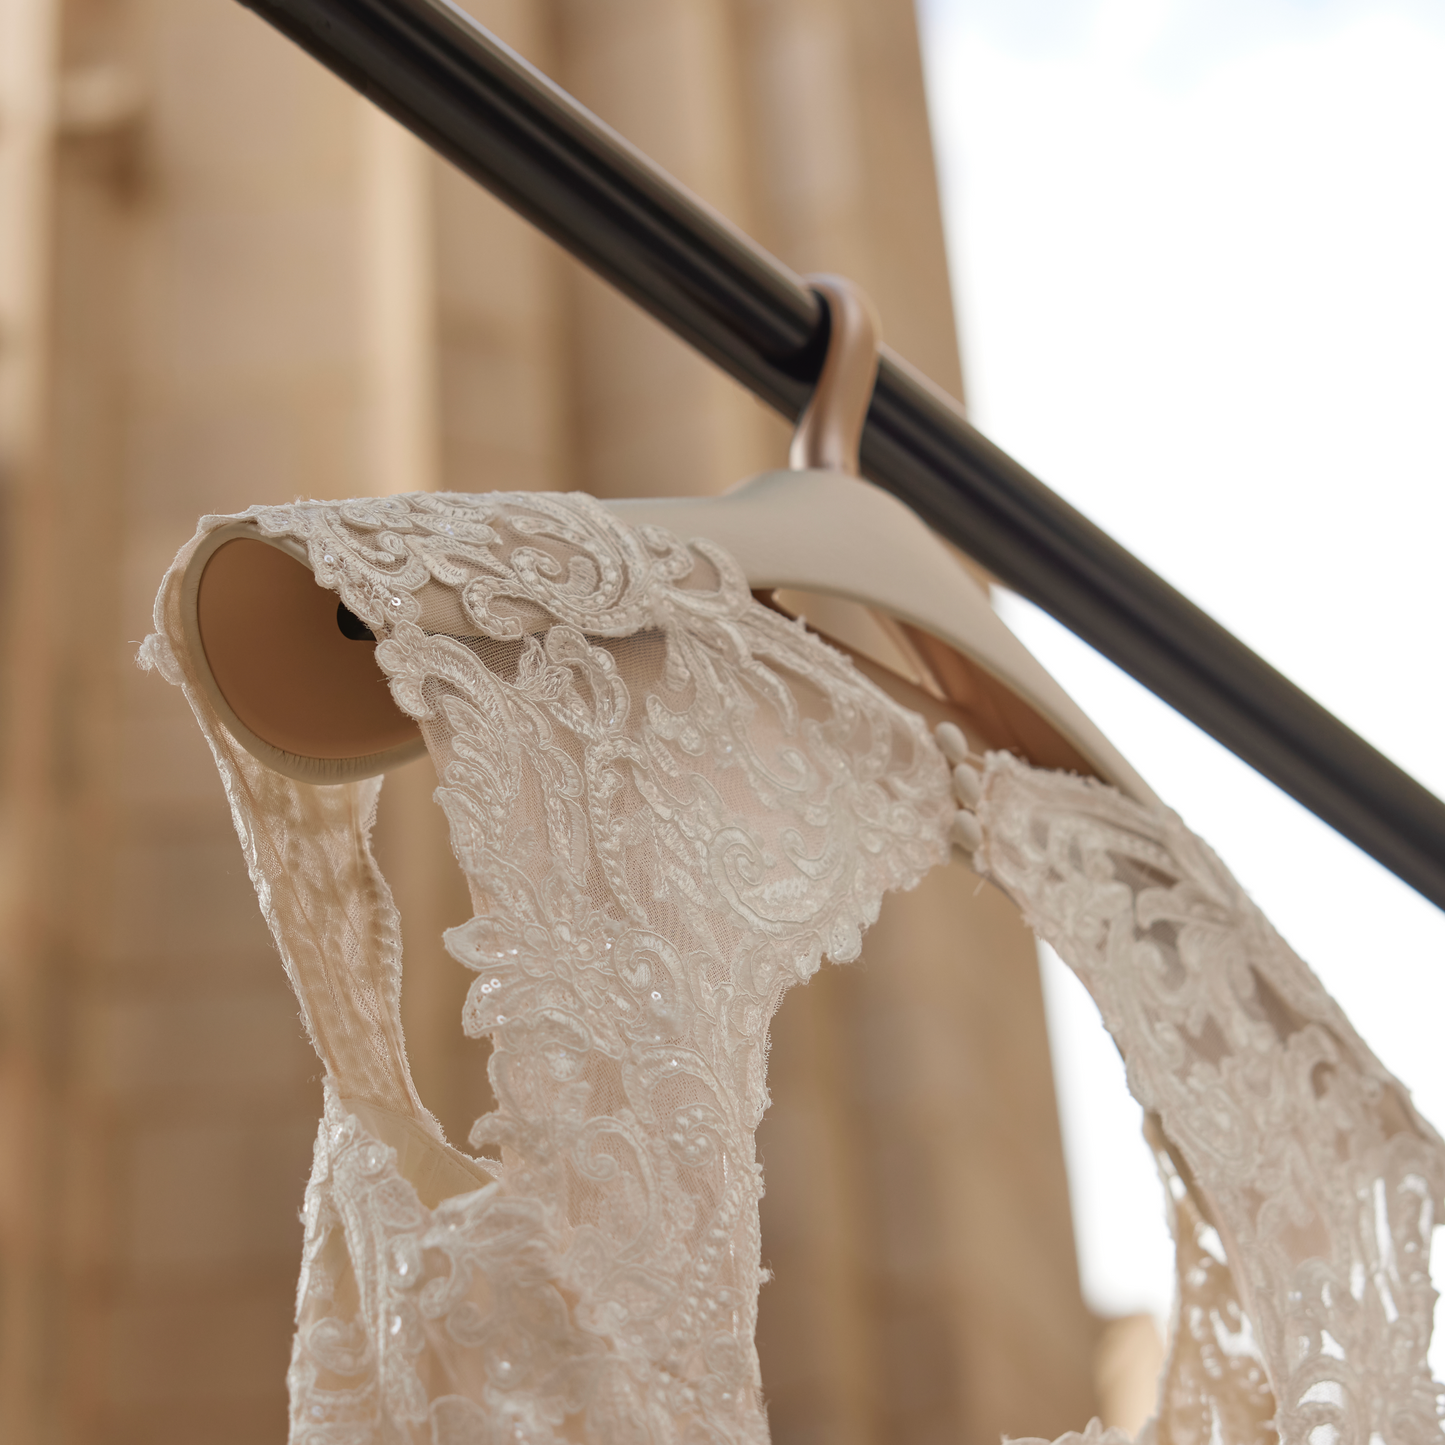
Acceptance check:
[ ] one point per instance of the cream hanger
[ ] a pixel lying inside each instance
(820, 536)
(293, 675)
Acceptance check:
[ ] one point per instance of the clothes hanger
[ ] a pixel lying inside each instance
(293, 675)
(868, 573)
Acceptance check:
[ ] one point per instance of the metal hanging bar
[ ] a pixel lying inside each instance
(511, 129)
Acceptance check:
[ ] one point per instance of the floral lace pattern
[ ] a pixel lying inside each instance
(670, 804)
(1304, 1188)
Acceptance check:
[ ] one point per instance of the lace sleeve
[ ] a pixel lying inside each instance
(1303, 1186)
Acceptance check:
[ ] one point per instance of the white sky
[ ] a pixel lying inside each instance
(1199, 258)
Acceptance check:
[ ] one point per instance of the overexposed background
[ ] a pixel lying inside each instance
(1199, 258)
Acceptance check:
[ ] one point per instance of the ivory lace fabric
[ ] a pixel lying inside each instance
(670, 804)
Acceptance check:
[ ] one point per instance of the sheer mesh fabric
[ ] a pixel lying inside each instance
(670, 803)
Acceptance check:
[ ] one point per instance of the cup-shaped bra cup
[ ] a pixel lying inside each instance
(278, 656)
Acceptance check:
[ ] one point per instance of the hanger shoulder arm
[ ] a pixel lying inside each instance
(819, 532)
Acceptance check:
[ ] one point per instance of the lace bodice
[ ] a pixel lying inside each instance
(670, 804)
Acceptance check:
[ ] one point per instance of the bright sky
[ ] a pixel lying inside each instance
(1199, 256)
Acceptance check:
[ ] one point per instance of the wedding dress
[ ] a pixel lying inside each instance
(671, 803)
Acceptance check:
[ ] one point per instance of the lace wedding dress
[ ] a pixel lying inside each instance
(671, 803)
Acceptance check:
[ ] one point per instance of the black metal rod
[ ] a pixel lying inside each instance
(508, 127)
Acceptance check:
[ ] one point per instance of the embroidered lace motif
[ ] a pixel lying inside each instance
(1304, 1187)
(670, 803)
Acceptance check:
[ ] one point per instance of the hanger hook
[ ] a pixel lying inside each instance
(831, 426)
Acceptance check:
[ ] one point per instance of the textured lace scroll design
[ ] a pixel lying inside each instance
(1304, 1186)
(670, 803)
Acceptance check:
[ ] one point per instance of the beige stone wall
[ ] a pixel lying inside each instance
(224, 279)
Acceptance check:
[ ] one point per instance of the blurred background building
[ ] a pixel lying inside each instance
(226, 279)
